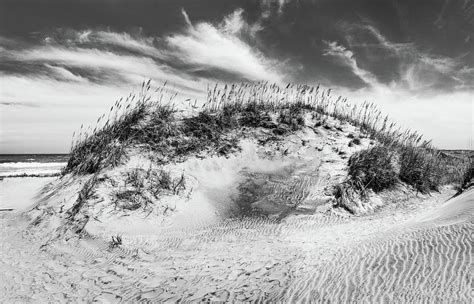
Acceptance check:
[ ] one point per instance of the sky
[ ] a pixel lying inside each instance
(65, 62)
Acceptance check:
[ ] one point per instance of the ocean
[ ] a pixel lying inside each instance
(12, 165)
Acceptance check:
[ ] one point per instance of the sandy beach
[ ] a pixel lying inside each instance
(19, 193)
(419, 253)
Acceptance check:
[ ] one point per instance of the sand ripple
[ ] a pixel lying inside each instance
(391, 257)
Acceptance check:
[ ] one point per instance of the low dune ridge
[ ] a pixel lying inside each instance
(246, 200)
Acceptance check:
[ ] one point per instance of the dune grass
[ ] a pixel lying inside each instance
(376, 168)
(157, 125)
(142, 188)
(468, 177)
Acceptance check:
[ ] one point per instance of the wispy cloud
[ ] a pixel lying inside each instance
(72, 76)
(121, 57)
(186, 18)
(107, 66)
(345, 57)
(64, 74)
(204, 45)
(416, 70)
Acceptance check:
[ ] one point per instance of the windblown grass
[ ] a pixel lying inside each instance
(142, 189)
(376, 168)
(157, 125)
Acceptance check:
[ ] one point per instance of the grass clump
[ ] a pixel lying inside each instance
(292, 118)
(143, 188)
(105, 146)
(469, 174)
(421, 168)
(129, 199)
(377, 168)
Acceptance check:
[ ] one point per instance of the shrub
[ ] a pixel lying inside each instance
(129, 199)
(135, 178)
(469, 174)
(161, 125)
(204, 126)
(292, 118)
(255, 115)
(164, 180)
(376, 168)
(420, 168)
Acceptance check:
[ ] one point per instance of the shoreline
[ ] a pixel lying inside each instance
(40, 175)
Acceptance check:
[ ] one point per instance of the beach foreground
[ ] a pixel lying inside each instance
(421, 252)
(18, 193)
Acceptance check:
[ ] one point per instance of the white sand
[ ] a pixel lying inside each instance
(376, 259)
(422, 253)
(18, 193)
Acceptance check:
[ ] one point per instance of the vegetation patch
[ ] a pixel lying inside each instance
(233, 111)
(469, 174)
(421, 168)
(142, 189)
(377, 168)
(139, 121)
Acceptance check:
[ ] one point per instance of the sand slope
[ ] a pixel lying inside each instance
(416, 254)
(215, 245)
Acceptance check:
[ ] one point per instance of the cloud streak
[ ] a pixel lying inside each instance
(345, 57)
(203, 47)
(418, 70)
(218, 47)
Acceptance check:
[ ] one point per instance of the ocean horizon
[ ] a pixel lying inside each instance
(23, 165)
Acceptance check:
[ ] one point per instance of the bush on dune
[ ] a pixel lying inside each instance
(421, 168)
(382, 167)
(468, 176)
(377, 168)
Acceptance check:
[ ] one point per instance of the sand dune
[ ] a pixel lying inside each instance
(250, 228)
(419, 254)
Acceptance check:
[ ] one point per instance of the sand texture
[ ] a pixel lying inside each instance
(419, 254)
